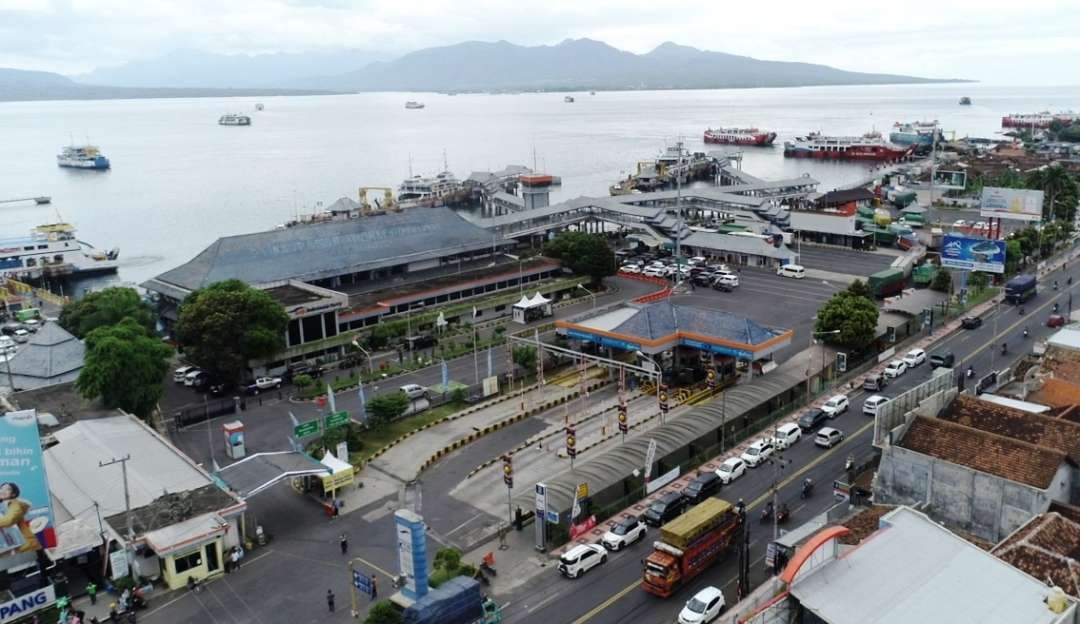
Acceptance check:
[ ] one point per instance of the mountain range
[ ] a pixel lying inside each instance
(469, 66)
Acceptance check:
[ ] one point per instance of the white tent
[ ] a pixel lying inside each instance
(528, 309)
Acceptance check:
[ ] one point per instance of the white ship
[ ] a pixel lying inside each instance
(52, 250)
(234, 120)
(414, 105)
(82, 157)
(438, 191)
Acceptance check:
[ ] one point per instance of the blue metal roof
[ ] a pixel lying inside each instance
(663, 318)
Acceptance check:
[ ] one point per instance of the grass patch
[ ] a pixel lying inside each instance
(376, 439)
(982, 296)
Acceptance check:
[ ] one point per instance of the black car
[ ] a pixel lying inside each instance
(665, 508)
(971, 322)
(303, 368)
(422, 341)
(942, 359)
(222, 388)
(812, 419)
(703, 486)
(702, 279)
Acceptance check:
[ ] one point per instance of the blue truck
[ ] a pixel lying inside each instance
(457, 601)
(1020, 288)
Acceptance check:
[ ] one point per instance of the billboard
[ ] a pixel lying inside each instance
(973, 254)
(1006, 203)
(950, 180)
(26, 520)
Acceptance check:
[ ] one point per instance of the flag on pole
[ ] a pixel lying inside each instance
(489, 362)
(330, 398)
(445, 376)
(474, 312)
(363, 403)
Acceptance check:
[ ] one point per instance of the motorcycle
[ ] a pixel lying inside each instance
(807, 488)
(1055, 285)
(767, 512)
(1021, 310)
(850, 463)
(1055, 307)
(970, 372)
(1069, 281)
(783, 514)
(1025, 332)
(1004, 348)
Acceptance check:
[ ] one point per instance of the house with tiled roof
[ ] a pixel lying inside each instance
(987, 477)
(1048, 548)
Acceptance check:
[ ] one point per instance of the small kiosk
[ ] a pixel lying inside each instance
(234, 439)
(341, 474)
(528, 309)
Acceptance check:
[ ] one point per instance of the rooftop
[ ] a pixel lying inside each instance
(1017, 424)
(52, 356)
(836, 198)
(322, 250)
(751, 245)
(994, 454)
(1057, 392)
(288, 295)
(913, 570)
(1047, 548)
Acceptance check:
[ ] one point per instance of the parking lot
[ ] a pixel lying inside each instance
(846, 261)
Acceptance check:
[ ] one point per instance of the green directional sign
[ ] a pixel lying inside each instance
(306, 429)
(337, 419)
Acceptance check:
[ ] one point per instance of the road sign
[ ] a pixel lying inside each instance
(663, 398)
(336, 419)
(710, 378)
(306, 429)
(623, 426)
(583, 490)
(361, 582)
(650, 457)
(552, 516)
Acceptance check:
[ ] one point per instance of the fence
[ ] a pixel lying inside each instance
(188, 416)
(894, 413)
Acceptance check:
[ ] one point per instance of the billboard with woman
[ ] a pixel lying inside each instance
(26, 520)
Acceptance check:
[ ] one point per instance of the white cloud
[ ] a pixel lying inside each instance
(999, 40)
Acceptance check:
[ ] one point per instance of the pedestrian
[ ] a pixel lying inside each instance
(344, 544)
(235, 556)
(91, 591)
(115, 617)
(374, 588)
(330, 600)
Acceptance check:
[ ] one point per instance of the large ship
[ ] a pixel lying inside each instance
(82, 157)
(869, 146)
(414, 105)
(1037, 120)
(51, 251)
(739, 136)
(917, 133)
(441, 190)
(233, 119)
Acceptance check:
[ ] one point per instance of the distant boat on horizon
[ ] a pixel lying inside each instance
(568, 99)
(414, 105)
(965, 101)
(83, 157)
(233, 119)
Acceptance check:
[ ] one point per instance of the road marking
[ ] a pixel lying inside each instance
(542, 602)
(455, 529)
(758, 501)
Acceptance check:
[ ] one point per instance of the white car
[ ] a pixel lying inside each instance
(623, 533)
(654, 271)
(786, 436)
(705, 606)
(728, 279)
(731, 469)
(630, 268)
(828, 437)
(914, 358)
(959, 223)
(266, 383)
(414, 391)
(873, 404)
(21, 335)
(835, 406)
(895, 369)
(758, 452)
(580, 559)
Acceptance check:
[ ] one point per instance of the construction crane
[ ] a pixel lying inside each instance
(388, 203)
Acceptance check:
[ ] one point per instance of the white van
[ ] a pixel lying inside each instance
(7, 344)
(786, 436)
(872, 405)
(791, 270)
(180, 373)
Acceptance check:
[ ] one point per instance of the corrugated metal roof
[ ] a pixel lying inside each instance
(738, 244)
(52, 356)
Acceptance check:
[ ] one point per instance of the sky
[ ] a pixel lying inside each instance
(1014, 42)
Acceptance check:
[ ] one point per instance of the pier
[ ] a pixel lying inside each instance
(39, 200)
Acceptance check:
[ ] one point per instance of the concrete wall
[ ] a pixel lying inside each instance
(987, 506)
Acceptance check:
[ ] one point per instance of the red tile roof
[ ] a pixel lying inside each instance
(1047, 548)
(1061, 435)
(1057, 392)
(994, 454)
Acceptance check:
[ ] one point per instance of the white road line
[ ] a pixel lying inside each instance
(458, 527)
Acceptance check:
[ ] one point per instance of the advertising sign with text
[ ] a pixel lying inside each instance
(26, 519)
(1007, 203)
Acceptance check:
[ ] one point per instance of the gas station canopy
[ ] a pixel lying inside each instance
(255, 473)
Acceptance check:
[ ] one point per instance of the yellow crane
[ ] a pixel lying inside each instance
(388, 203)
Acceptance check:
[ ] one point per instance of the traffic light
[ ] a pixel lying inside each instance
(508, 471)
(663, 398)
(623, 426)
(570, 442)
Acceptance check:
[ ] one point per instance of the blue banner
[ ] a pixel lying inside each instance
(973, 254)
(26, 519)
(704, 346)
(603, 340)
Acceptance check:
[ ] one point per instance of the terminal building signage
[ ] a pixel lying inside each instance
(603, 340)
(741, 354)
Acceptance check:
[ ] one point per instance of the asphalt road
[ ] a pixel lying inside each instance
(610, 593)
(845, 261)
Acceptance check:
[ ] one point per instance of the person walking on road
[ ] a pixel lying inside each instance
(91, 591)
(330, 600)
(374, 589)
(344, 544)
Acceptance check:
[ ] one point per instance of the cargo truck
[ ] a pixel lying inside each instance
(886, 283)
(689, 545)
(1020, 288)
(457, 601)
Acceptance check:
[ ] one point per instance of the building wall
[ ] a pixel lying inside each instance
(211, 562)
(987, 506)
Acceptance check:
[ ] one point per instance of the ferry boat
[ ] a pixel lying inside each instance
(739, 136)
(82, 157)
(869, 146)
(52, 250)
(965, 101)
(568, 99)
(259, 106)
(1038, 120)
(441, 190)
(414, 105)
(234, 119)
(919, 133)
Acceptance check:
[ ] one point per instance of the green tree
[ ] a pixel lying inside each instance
(383, 612)
(227, 324)
(854, 317)
(942, 281)
(125, 367)
(1059, 189)
(387, 407)
(525, 356)
(859, 288)
(106, 307)
(1014, 256)
(584, 254)
(978, 281)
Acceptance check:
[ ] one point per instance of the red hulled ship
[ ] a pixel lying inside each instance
(739, 136)
(869, 146)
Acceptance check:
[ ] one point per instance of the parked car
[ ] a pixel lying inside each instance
(701, 487)
(623, 533)
(32, 325)
(1055, 320)
(971, 322)
(705, 606)
(261, 384)
(414, 391)
(873, 404)
(835, 406)
(630, 268)
(191, 376)
(895, 369)
(914, 357)
(653, 271)
(580, 559)
(731, 469)
(875, 383)
(758, 452)
(786, 436)
(180, 373)
(21, 335)
(302, 368)
(665, 508)
(811, 419)
(7, 344)
(828, 437)
(221, 388)
(942, 359)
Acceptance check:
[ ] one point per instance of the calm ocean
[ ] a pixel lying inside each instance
(179, 180)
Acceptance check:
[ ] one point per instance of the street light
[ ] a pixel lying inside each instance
(659, 382)
(591, 294)
(356, 343)
(521, 270)
(809, 345)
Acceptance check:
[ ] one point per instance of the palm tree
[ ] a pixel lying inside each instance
(1057, 184)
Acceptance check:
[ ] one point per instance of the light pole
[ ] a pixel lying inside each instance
(521, 270)
(809, 355)
(659, 382)
(356, 343)
(591, 294)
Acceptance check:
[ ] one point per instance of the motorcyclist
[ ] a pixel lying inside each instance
(1055, 285)
(1055, 307)
(970, 371)
(1004, 348)
(1025, 331)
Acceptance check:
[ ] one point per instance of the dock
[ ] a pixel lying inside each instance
(39, 200)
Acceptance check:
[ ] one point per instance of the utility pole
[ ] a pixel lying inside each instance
(127, 504)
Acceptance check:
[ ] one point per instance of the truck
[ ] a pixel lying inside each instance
(1020, 288)
(924, 274)
(886, 283)
(689, 545)
(457, 601)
